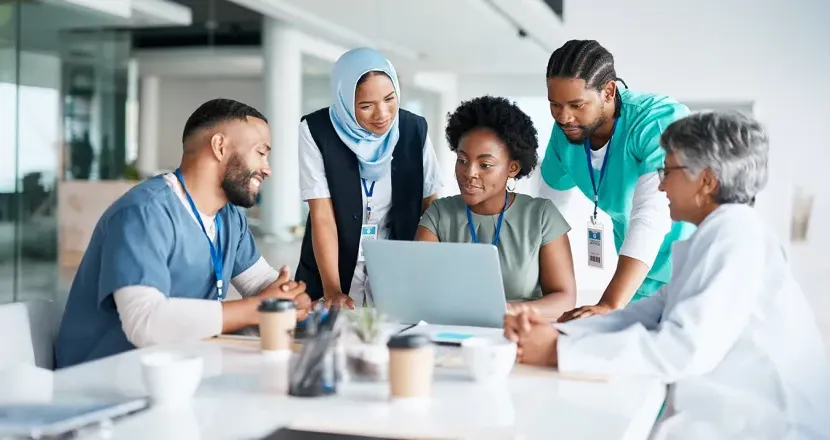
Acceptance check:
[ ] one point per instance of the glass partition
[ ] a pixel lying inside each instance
(62, 116)
(9, 31)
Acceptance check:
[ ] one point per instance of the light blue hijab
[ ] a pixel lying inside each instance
(374, 152)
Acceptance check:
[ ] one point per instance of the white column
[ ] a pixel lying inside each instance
(446, 85)
(131, 125)
(282, 71)
(148, 135)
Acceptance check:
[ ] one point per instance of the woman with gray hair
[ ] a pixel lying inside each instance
(732, 333)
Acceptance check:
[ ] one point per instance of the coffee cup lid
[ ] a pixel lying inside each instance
(276, 305)
(408, 341)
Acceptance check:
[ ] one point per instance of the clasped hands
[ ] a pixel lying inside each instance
(284, 287)
(535, 336)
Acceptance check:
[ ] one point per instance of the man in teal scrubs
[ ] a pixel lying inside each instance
(606, 142)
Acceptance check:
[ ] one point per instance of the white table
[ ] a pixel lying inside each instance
(235, 401)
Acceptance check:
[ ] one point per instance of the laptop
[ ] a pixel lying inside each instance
(38, 420)
(458, 284)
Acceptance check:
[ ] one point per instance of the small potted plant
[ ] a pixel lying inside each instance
(367, 357)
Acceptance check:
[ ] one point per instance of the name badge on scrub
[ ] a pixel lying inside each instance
(367, 232)
(595, 244)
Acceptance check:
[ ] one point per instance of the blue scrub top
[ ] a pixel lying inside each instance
(634, 151)
(146, 238)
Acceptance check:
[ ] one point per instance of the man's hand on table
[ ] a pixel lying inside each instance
(586, 311)
(535, 336)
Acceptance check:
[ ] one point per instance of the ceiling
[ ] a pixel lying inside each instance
(54, 26)
(464, 36)
(214, 23)
(43, 26)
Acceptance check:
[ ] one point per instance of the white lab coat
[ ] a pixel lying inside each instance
(731, 334)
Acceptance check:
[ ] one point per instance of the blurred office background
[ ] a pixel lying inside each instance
(94, 94)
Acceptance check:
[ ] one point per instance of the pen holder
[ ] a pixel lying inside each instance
(316, 371)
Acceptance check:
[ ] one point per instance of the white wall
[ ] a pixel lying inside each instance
(180, 96)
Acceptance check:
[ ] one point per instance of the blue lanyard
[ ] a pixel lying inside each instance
(498, 225)
(368, 190)
(215, 251)
(596, 185)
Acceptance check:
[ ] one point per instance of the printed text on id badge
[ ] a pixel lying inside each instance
(595, 236)
(367, 232)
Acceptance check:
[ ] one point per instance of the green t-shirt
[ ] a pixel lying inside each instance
(529, 223)
(634, 151)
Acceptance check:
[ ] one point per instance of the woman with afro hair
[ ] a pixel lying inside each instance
(495, 143)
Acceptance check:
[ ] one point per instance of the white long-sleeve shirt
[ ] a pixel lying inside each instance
(732, 335)
(650, 220)
(149, 317)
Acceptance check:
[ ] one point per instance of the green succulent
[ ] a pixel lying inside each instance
(367, 323)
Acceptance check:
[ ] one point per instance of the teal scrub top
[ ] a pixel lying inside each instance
(634, 151)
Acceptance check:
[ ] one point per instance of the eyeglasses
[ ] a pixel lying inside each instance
(662, 172)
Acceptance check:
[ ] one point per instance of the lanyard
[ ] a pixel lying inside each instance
(498, 225)
(368, 190)
(596, 185)
(215, 251)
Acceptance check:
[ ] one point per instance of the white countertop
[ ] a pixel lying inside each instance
(235, 401)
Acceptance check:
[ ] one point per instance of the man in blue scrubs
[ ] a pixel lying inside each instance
(161, 257)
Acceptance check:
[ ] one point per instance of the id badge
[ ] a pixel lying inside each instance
(367, 232)
(595, 244)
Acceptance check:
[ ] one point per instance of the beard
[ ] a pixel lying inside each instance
(237, 183)
(585, 131)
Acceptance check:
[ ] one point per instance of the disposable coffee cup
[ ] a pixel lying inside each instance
(277, 320)
(411, 364)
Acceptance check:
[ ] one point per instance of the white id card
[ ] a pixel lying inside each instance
(368, 231)
(595, 244)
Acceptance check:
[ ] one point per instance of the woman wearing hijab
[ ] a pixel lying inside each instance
(367, 170)
(731, 334)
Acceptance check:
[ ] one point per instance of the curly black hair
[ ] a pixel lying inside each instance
(503, 117)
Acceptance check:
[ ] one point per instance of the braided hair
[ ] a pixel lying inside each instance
(586, 60)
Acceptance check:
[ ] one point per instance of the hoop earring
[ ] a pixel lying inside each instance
(697, 200)
(514, 184)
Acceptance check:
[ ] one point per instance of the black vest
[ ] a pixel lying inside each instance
(343, 178)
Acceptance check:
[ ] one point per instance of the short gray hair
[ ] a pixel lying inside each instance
(733, 145)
